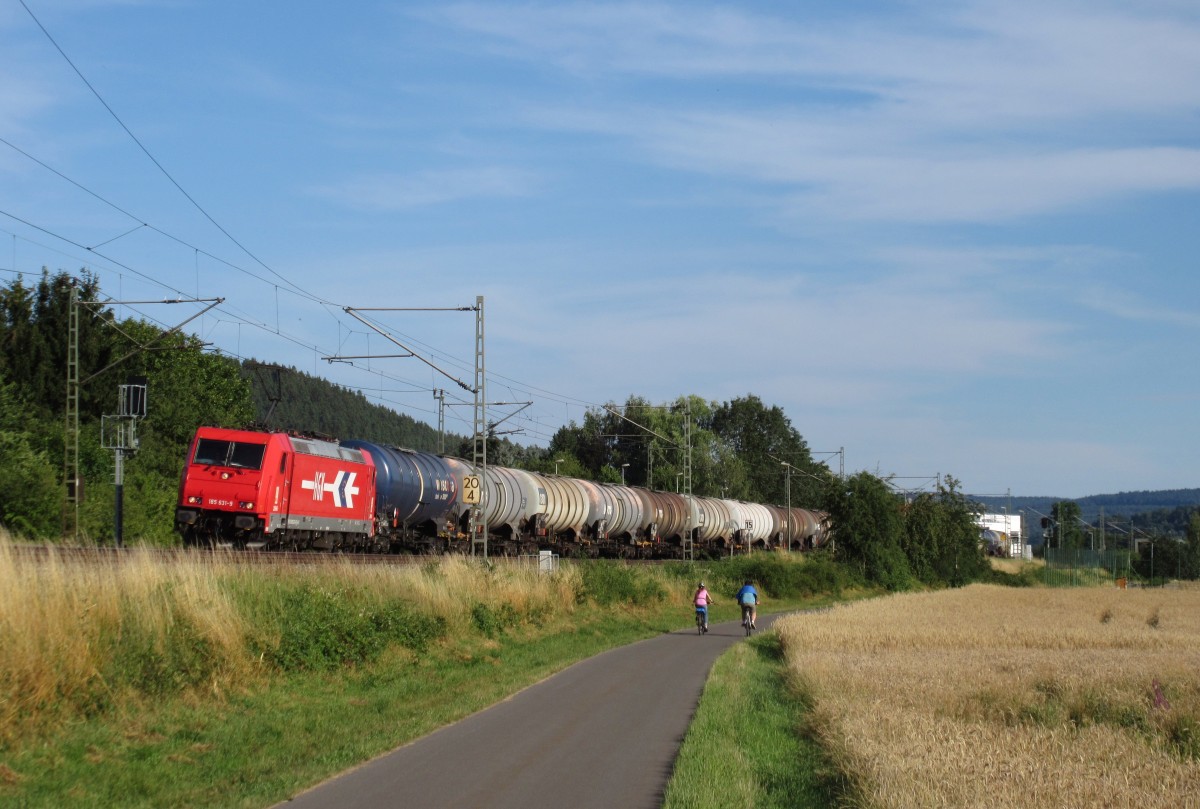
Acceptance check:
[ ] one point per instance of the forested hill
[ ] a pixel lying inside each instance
(1166, 509)
(1137, 502)
(313, 405)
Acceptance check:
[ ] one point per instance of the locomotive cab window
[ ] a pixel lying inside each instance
(247, 456)
(241, 454)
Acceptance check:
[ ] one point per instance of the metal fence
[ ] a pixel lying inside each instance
(544, 561)
(1074, 567)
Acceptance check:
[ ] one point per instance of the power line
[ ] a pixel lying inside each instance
(529, 390)
(532, 390)
(245, 318)
(146, 151)
(144, 224)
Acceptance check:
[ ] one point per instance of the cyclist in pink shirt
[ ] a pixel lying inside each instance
(702, 599)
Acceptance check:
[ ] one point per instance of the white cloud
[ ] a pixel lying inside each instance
(391, 191)
(1130, 306)
(987, 112)
(850, 166)
(988, 59)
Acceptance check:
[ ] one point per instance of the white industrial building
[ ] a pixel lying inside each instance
(1003, 534)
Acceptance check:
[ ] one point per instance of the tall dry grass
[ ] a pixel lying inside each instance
(452, 587)
(1015, 567)
(999, 697)
(76, 637)
(80, 638)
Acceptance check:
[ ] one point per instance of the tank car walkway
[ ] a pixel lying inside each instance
(603, 733)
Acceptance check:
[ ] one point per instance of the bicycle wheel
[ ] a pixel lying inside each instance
(699, 624)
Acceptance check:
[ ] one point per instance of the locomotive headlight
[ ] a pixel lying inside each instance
(246, 505)
(224, 476)
(194, 499)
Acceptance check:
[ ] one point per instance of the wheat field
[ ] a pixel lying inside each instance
(1004, 697)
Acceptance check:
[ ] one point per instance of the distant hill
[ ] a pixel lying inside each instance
(311, 404)
(1166, 511)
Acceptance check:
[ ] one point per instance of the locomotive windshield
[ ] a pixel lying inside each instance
(242, 454)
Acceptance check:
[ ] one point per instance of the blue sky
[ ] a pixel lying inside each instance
(952, 238)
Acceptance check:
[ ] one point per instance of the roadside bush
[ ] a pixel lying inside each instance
(820, 575)
(409, 628)
(323, 628)
(610, 582)
(888, 566)
(159, 659)
(491, 621)
(1027, 576)
(782, 576)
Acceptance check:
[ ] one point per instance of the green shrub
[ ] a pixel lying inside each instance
(819, 575)
(164, 665)
(492, 621)
(776, 576)
(888, 566)
(30, 502)
(606, 583)
(407, 627)
(321, 629)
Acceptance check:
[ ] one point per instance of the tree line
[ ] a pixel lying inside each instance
(187, 386)
(1156, 553)
(740, 449)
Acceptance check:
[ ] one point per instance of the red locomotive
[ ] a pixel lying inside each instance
(276, 491)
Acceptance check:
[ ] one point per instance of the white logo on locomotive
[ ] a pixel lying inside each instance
(342, 488)
(317, 485)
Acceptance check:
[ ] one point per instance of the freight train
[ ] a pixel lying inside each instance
(281, 491)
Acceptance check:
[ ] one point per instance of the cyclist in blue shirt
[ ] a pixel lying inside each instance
(748, 598)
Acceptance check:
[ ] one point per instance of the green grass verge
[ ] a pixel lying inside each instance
(257, 748)
(746, 745)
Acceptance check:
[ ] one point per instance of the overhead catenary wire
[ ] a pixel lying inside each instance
(244, 318)
(146, 151)
(291, 285)
(198, 251)
(296, 289)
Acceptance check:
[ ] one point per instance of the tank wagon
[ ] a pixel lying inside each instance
(275, 490)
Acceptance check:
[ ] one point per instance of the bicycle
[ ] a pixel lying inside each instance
(747, 624)
(701, 621)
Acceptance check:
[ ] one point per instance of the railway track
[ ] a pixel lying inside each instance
(95, 554)
(103, 554)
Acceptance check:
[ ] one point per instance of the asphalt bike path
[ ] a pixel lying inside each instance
(603, 733)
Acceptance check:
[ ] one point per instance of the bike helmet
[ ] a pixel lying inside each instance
(701, 584)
